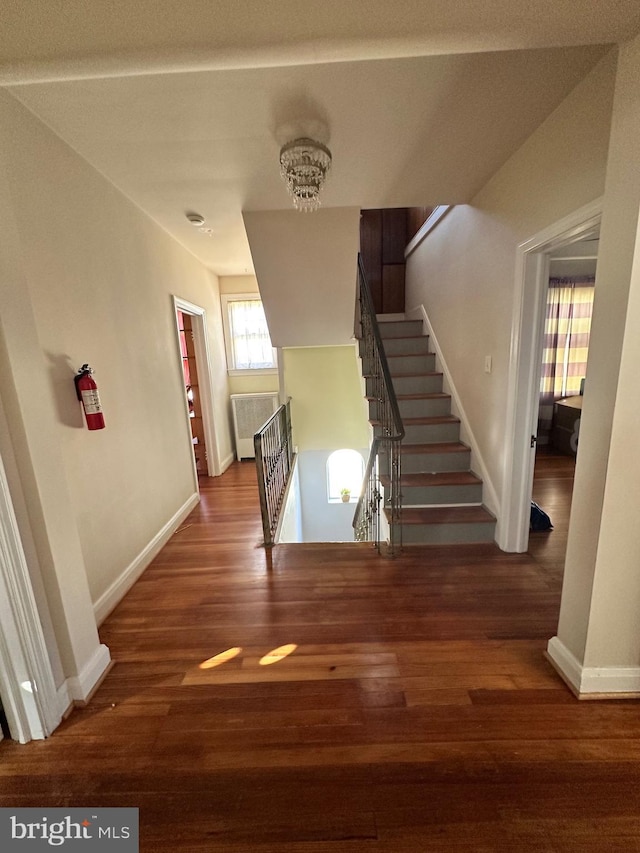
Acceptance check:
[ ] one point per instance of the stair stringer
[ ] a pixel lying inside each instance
(490, 495)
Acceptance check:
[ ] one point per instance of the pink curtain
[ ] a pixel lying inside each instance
(566, 345)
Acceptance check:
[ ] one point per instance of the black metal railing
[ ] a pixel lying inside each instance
(385, 454)
(274, 460)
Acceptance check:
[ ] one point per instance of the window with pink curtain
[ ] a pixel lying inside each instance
(566, 345)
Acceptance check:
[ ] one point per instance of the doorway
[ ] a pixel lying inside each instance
(565, 346)
(532, 277)
(29, 698)
(192, 391)
(196, 376)
(566, 333)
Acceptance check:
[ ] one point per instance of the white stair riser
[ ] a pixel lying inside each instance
(400, 328)
(401, 346)
(428, 433)
(431, 463)
(426, 495)
(424, 363)
(420, 408)
(445, 534)
(406, 346)
(429, 384)
(425, 408)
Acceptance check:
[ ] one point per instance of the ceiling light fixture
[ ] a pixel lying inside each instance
(304, 164)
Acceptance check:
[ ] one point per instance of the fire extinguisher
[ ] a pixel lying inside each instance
(87, 392)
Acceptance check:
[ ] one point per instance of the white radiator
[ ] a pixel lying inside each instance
(250, 412)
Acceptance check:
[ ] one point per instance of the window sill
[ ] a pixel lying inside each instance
(253, 371)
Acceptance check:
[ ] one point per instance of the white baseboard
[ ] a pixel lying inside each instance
(593, 682)
(80, 687)
(65, 700)
(490, 496)
(228, 460)
(119, 588)
(565, 663)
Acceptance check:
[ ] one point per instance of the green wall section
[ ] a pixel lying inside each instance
(327, 403)
(252, 384)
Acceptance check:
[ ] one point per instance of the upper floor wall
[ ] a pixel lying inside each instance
(306, 269)
(87, 277)
(463, 273)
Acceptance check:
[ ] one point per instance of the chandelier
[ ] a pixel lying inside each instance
(304, 164)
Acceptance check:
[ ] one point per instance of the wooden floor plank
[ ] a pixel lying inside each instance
(414, 712)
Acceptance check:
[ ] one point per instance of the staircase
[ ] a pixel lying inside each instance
(441, 496)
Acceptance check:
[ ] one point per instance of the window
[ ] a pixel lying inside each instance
(246, 334)
(345, 470)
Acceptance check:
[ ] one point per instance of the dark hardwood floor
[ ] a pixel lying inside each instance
(552, 491)
(414, 710)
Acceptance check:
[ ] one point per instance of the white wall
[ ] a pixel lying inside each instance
(7, 458)
(600, 613)
(463, 272)
(291, 522)
(323, 521)
(306, 270)
(87, 277)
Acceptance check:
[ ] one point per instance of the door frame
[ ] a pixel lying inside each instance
(203, 361)
(525, 366)
(27, 685)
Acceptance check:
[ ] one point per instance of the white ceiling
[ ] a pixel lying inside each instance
(64, 39)
(410, 130)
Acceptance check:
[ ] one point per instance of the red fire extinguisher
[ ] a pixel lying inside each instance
(87, 392)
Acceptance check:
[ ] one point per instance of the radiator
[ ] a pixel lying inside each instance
(250, 412)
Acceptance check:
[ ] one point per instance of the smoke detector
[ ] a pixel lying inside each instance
(196, 219)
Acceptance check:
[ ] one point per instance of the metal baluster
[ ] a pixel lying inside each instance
(274, 460)
(389, 433)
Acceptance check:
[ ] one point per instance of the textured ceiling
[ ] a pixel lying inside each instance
(60, 39)
(403, 132)
(183, 106)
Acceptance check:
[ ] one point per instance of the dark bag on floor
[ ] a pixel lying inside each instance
(539, 519)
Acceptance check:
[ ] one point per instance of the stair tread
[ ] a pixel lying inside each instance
(415, 374)
(398, 337)
(442, 478)
(429, 421)
(433, 395)
(425, 421)
(410, 337)
(447, 515)
(436, 447)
